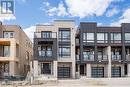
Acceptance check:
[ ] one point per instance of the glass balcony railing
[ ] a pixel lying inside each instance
(102, 57)
(77, 58)
(88, 57)
(128, 57)
(44, 53)
(116, 57)
(46, 36)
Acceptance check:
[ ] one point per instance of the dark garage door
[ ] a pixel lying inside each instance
(63, 72)
(116, 71)
(97, 72)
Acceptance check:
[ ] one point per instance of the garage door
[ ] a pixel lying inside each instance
(116, 71)
(63, 72)
(97, 72)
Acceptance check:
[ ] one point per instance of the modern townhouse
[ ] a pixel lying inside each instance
(54, 49)
(15, 51)
(103, 51)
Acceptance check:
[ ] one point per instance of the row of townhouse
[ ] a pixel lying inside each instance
(61, 50)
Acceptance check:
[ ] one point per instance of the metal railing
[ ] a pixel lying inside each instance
(44, 53)
(102, 57)
(46, 36)
(88, 57)
(116, 57)
(128, 57)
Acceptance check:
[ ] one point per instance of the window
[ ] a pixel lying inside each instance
(64, 35)
(88, 37)
(115, 37)
(6, 51)
(102, 37)
(64, 51)
(127, 37)
(46, 34)
(45, 51)
(8, 34)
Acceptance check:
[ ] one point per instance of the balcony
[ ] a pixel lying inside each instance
(116, 57)
(45, 54)
(45, 36)
(102, 57)
(88, 57)
(128, 57)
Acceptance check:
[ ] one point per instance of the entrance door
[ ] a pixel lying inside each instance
(45, 68)
(81, 69)
(97, 72)
(116, 71)
(63, 72)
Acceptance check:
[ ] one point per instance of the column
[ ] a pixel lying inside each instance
(73, 70)
(13, 49)
(35, 66)
(88, 70)
(128, 68)
(109, 61)
(11, 68)
(55, 68)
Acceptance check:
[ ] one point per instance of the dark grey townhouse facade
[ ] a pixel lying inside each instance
(103, 51)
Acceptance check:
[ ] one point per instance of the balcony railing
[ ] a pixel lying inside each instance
(46, 36)
(102, 41)
(77, 57)
(44, 53)
(102, 57)
(116, 57)
(115, 41)
(88, 57)
(128, 57)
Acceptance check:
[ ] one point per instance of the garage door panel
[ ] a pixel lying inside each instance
(97, 72)
(63, 72)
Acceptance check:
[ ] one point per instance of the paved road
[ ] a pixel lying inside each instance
(86, 82)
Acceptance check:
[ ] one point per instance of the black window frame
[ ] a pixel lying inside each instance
(62, 54)
(105, 37)
(48, 34)
(61, 31)
(113, 38)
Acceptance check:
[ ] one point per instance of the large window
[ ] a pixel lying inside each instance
(127, 37)
(115, 37)
(45, 51)
(46, 34)
(88, 37)
(64, 51)
(64, 35)
(8, 34)
(6, 51)
(102, 37)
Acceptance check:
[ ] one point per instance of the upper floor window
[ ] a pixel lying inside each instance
(8, 34)
(6, 50)
(64, 35)
(127, 37)
(102, 37)
(64, 51)
(46, 34)
(115, 37)
(88, 37)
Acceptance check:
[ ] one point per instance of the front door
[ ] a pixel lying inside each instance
(82, 70)
(45, 68)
